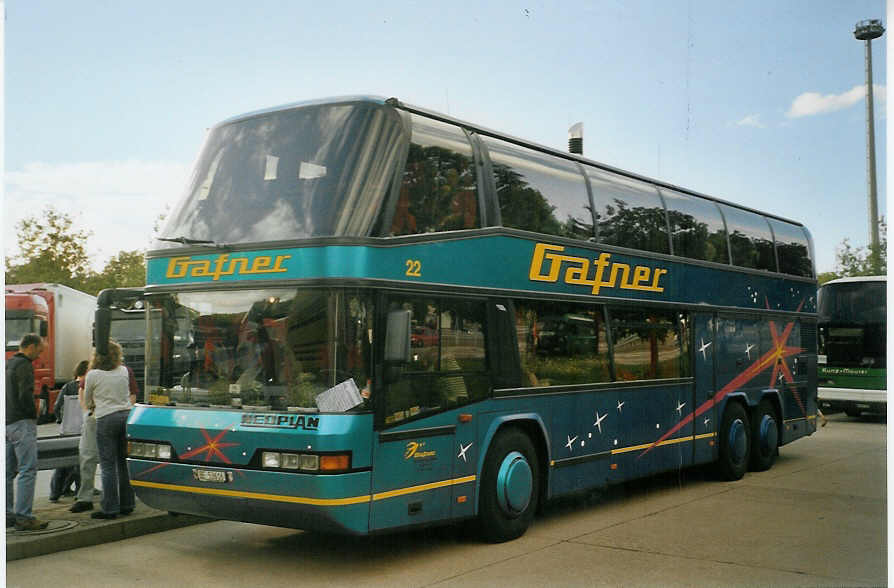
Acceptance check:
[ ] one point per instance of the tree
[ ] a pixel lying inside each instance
(50, 250)
(126, 269)
(859, 261)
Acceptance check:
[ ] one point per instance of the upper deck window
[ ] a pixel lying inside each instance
(629, 213)
(697, 228)
(439, 189)
(750, 239)
(793, 249)
(538, 192)
(307, 172)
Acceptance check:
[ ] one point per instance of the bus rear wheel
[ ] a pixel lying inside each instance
(764, 437)
(510, 487)
(735, 442)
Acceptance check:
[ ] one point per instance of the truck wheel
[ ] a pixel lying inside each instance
(764, 437)
(735, 442)
(510, 487)
(852, 412)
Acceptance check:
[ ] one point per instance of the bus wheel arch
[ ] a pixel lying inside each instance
(511, 483)
(766, 433)
(735, 440)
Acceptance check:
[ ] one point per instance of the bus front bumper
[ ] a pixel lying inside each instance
(337, 503)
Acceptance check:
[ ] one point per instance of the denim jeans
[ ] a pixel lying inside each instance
(21, 459)
(117, 495)
(88, 458)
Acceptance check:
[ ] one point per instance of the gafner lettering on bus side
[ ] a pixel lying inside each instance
(224, 265)
(548, 264)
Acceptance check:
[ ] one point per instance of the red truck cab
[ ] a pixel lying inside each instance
(29, 312)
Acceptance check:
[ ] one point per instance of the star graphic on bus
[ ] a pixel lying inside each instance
(748, 349)
(680, 406)
(462, 451)
(775, 357)
(212, 448)
(571, 440)
(704, 349)
(599, 419)
(620, 404)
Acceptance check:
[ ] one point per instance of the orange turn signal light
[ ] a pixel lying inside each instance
(465, 418)
(340, 461)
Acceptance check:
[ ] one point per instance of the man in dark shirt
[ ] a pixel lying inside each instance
(21, 435)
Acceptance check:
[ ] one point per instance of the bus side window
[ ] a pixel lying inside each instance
(561, 343)
(448, 362)
(439, 189)
(649, 344)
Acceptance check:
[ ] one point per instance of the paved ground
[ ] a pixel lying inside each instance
(818, 518)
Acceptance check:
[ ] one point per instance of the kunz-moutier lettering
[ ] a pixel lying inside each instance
(281, 421)
(224, 265)
(547, 264)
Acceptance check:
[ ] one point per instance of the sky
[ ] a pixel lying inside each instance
(760, 103)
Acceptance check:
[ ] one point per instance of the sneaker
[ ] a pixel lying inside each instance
(31, 525)
(103, 515)
(126, 511)
(81, 506)
(54, 499)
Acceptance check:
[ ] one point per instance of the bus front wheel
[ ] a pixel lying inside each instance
(509, 487)
(764, 437)
(735, 442)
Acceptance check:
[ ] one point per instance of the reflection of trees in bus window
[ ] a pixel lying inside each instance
(649, 344)
(540, 193)
(561, 343)
(792, 248)
(697, 229)
(750, 239)
(439, 190)
(629, 213)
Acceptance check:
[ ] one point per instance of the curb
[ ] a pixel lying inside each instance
(70, 531)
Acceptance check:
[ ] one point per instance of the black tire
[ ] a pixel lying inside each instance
(764, 437)
(735, 442)
(853, 412)
(510, 487)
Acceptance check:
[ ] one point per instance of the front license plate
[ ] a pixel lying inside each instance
(218, 476)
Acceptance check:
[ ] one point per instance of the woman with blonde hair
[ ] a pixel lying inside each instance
(107, 394)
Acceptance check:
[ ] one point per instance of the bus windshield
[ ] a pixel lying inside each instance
(852, 324)
(306, 172)
(270, 349)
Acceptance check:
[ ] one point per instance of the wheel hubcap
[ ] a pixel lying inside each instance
(738, 441)
(515, 483)
(769, 434)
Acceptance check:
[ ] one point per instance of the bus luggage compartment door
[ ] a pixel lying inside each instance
(412, 477)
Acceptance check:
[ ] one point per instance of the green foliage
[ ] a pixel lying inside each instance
(52, 250)
(861, 261)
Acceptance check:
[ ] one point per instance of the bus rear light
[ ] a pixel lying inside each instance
(330, 463)
(271, 459)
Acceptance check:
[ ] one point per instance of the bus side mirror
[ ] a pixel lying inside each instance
(102, 325)
(397, 337)
(44, 328)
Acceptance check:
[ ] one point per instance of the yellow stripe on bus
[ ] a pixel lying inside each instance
(302, 499)
(422, 488)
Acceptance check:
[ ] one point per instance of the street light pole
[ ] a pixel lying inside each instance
(867, 30)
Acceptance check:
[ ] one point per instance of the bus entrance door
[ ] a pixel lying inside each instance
(413, 476)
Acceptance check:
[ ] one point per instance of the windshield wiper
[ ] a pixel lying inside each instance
(188, 241)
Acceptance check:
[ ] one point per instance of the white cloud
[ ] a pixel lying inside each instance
(117, 200)
(752, 120)
(811, 103)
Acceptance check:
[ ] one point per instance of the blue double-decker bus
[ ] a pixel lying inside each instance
(365, 316)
